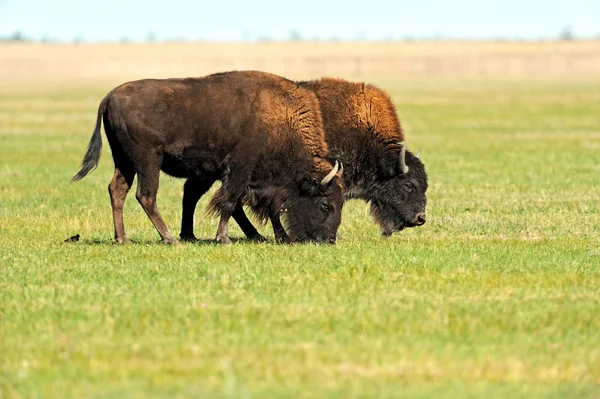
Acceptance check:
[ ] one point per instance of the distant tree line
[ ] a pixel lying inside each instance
(16, 36)
(565, 34)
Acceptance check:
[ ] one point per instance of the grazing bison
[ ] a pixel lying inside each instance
(260, 134)
(363, 132)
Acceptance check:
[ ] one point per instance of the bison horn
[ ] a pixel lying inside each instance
(341, 171)
(331, 174)
(401, 166)
(418, 153)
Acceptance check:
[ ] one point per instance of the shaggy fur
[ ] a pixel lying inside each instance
(363, 132)
(258, 133)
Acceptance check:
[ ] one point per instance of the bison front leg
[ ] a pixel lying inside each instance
(193, 190)
(227, 198)
(246, 225)
(280, 234)
(223, 230)
(223, 205)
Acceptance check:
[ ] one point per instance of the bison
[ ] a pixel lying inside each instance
(260, 134)
(363, 132)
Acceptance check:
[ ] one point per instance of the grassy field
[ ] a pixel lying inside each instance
(498, 295)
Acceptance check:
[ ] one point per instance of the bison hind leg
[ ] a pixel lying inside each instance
(148, 171)
(117, 189)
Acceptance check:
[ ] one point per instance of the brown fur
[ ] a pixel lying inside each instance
(259, 133)
(363, 132)
(366, 108)
(358, 109)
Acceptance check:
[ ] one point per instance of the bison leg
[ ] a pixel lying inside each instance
(118, 189)
(245, 224)
(227, 198)
(146, 196)
(192, 191)
(223, 230)
(280, 235)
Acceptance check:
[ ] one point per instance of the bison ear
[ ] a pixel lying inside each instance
(309, 185)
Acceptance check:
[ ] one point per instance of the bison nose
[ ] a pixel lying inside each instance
(420, 219)
(332, 240)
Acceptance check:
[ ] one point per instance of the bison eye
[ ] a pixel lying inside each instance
(326, 208)
(408, 188)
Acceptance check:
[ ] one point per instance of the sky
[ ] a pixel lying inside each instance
(233, 20)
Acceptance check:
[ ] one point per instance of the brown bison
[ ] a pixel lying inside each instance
(363, 132)
(258, 133)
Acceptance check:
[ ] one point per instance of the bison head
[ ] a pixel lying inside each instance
(314, 210)
(399, 199)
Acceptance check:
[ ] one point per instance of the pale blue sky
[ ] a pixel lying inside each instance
(113, 20)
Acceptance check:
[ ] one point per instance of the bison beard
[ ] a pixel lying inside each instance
(363, 132)
(258, 133)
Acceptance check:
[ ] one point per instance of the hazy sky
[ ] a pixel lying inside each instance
(113, 20)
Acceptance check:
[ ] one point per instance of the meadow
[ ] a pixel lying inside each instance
(497, 295)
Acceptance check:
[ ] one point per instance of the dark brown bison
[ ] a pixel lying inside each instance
(363, 132)
(258, 133)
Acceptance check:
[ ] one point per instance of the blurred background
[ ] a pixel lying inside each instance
(312, 20)
(80, 40)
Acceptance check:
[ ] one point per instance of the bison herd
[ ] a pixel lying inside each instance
(279, 147)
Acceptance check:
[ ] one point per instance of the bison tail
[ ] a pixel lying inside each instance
(92, 155)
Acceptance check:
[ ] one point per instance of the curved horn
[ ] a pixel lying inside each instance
(329, 177)
(418, 155)
(401, 165)
(341, 171)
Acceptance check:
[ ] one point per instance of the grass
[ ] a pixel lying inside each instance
(496, 296)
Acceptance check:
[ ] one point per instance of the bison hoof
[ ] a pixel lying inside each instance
(171, 241)
(223, 240)
(257, 238)
(188, 237)
(283, 240)
(122, 241)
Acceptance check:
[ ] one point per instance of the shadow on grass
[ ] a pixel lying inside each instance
(202, 241)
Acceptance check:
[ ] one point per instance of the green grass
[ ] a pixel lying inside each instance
(498, 295)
